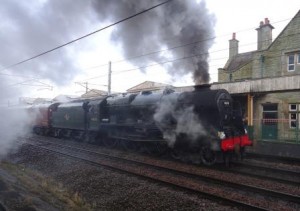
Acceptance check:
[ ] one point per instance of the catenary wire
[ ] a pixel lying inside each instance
(177, 59)
(135, 57)
(171, 60)
(87, 35)
(175, 47)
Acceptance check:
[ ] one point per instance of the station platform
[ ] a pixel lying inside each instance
(273, 148)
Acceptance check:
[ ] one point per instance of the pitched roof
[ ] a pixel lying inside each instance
(148, 85)
(239, 61)
(280, 34)
(94, 93)
(64, 98)
(30, 100)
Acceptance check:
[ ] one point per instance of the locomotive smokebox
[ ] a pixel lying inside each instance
(202, 87)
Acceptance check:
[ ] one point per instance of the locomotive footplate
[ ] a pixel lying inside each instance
(137, 139)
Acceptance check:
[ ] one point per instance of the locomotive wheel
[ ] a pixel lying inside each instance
(129, 145)
(155, 148)
(37, 131)
(57, 133)
(242, 153)
(109, 142)
(176, 154)
(92, 138)
(66, 134)
(47, 132)
(227, 159)
(207, 156)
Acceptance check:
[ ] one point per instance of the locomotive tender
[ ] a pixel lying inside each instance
(204, 123)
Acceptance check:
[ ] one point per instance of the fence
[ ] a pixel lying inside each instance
(277, 130)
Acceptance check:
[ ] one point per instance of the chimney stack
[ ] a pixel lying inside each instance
(233, 46)
(264, 34)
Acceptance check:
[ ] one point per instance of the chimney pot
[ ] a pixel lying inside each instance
(264, 34)
(267, 21)
(261, 23)
(233, 46)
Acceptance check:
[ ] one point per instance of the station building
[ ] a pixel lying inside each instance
(267, 83)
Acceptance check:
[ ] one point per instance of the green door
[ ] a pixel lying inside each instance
(269, 124)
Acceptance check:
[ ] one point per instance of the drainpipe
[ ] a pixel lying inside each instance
(262, 60)
(250, 110)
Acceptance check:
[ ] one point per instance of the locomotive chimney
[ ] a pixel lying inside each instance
(264, 34)
(202, 86)
(233, 46)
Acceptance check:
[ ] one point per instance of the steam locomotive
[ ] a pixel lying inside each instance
(205, 124)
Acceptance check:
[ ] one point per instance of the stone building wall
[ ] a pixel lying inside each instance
(283, 100)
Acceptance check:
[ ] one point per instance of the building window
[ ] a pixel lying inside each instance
(291, 62)
(270, 114)
(294, 110)
(293, 107)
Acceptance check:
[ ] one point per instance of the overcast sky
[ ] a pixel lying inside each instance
(31, 27)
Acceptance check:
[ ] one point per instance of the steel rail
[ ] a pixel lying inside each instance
(196, 176)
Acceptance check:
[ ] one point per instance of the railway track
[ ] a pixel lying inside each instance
(256, 170)
(274, 159)
(267, 173)
(237, 194)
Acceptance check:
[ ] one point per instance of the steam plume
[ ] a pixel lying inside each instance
(31, 27)
(185, 20)
(186, 121)
(27, 29)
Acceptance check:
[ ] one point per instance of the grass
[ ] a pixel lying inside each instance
(45, 188)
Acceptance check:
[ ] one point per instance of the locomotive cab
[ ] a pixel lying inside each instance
(219, 118)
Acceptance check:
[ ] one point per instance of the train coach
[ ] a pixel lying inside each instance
(41, 117)
(205, 124)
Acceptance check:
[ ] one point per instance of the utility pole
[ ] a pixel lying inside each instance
(84, 84)
(109, 78)
(86, 87)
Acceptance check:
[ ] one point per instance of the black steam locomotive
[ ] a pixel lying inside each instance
(205, 124)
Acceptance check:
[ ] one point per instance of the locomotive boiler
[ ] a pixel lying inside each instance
(204, 123)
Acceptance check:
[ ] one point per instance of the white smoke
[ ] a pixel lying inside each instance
(164, 119)
(189, 123)
(174, 121)
(29, 28)
(15, 122)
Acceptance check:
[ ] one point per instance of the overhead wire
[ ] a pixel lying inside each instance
(130, 58)
(117, 72)
(87, 35)
(155, 64)
(135, 57)
(178, 59)
(179, 46)
(18, 76)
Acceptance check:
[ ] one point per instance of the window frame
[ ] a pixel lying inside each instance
(295, 104)
(270, 110)
(295, 120)
(291, 64)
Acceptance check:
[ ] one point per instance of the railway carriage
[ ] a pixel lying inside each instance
(69, 120)
(41, 115)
